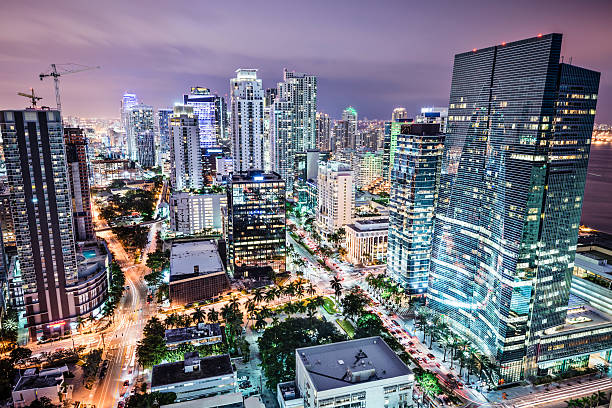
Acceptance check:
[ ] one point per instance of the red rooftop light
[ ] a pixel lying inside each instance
(539, 35)
(474, 50)
(504, 43)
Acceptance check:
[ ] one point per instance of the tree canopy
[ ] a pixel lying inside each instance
(154, 399)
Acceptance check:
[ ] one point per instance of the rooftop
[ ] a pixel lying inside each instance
(345, 363)
(210, 402)
(173, 373)
(370, 224)
(581, 318)
(194, 258)
(256, 176)
(289, 390)
(32, 379)
(190, 333)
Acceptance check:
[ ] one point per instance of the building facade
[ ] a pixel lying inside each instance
(415, 178)
(145, 145)
(139, 121)
(323, 132)
(192, 213)
(336, 197)
(349, 115)
(163, 128)
(256, 224)
(247, 101)
(512, 182)
(211, 113)
(367, 240)
(185, 152)
(78, 175)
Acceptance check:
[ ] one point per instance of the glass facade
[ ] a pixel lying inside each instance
(256, 224)
(511, 187)
(204, 107)
(414, 181)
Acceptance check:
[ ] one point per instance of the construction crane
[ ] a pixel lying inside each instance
(58, 70)
(31, 96)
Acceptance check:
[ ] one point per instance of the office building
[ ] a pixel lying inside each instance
(368, 167)
(139, 121)
(323, 132)
(336, 197)
(195, 377)
(193, 213)
(434, 115)
(391, 131)
(35, 384)
(196, 272)
(163, 128)
(399, 114)
(247, 102)
(350, 116)
(145, 145)
(414, 190)
(78, 175)
(366, 241)
(185, 152)
(211, 113)
(363, 373)
(256, 225)
(281, 136)
(127, 101)
(511, 188)
(341, 138)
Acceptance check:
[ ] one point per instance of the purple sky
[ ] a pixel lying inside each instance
(374, 55)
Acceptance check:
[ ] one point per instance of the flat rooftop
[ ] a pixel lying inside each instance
(174, 373)
(581, 318)
(195, 257)
(232, 399)
(351, 362)
(36, 381)
(370, 224)
(250, 177)
(200, 331)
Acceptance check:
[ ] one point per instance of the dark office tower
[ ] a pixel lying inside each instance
(414, 190)
(163, 127)
(145, 143)
(341, 137)
(78, 176)
(323, 132)
(34, 151)
(256, 225)
(511, 187)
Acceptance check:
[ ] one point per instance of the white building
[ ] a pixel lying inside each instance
(363, 373)
(185, 153)
(366, 241)
(247, 102)
(139, 121)
(195, 377)
(33, 385)
(224, 167)
(368, 167)
(336, 199)
(434, 115)
(192, 213)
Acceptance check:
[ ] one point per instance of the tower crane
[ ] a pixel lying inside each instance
(31, 96)
(57, 70)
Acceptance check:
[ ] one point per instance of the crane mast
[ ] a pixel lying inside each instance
(64, 69)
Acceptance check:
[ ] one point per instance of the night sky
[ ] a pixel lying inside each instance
(374, 55)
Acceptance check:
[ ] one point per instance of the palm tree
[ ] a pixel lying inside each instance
(79, 322)
(265, 311)
(172, 320)
(234, 303)
(226, 311)
(260, 322)
(198, 316)
(311, 309)
(336, 285)
(213, 315)
(310, 289)
(258, 295)
(270, 295)
(298, 288)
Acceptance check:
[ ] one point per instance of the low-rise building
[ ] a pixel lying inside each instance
(195, 377)
(366, 241)
(288, 395)
(196, 272)
(231, 400)
(33, 385)
(192, 213)
(197, 335)
(363, 373)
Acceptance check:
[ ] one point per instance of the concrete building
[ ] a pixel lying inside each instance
(366, 241)
(349, 115)
(398, 114)
(185, 152)
(231, 400)
(323, 132)
(247, 102)
(197, 335)
(196, 272)
(193, 213)
(139, 121)
(78, 174)
(363, 373)
(104, 172)
(368, 167)
(34, 385)
(195, 377)
(336, 197)
(145, 145)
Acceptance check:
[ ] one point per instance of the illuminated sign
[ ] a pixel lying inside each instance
(258, 178)
(56, 325)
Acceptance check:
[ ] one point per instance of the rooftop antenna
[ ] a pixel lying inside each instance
(31, 96)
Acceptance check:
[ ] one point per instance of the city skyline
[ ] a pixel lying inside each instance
(357, 64)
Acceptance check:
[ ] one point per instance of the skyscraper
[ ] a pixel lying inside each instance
(205, 107)
(163, 127)
(145, 148)
(512, 182)
(434, 115)
(185, 152)
(323, 132)
(336, 197)
(391, 132)
(127, 101)
(414, 190)
(33, 142)
(78, 174)
(256, 224)
(139, 119)
(247, 101)
(349, 115)
(399, 113)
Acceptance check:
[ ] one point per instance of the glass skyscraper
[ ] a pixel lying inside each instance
(511, 187)
(414, 189)
(204, 105)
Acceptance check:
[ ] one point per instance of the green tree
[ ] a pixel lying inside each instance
(198, 316)
(212, 315)
(158, 260)
(369, 325)
(20, 353)
(336, 285)
(354, 303)
(154, 399)
(278, 343)
(42, 402)
(7, 374)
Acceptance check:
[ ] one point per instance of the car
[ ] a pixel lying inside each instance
(431, 356)
(438, 365)
(411, 343)
(459, 385)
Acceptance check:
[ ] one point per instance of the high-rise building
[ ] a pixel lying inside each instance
(78, 174)
(256, 224)
(434, 115)
(349, 115)
(247, 101)
(340, 136)
(414, 190)
(211, 112)
(192, 213)
(367, 167)
(127, 101)
(391, 132)
(399, 113)
(145, 147)
(33, 142)
(281, 135)
(511, 188)
(139, 120)
(323, 132)
(185, 152)
(336, 197)
(163, 127)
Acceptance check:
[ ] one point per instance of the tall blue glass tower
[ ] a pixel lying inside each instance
(511, 187)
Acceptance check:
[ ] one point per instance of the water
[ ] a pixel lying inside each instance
(597, 206)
